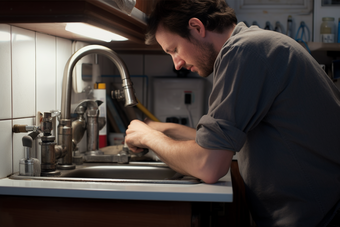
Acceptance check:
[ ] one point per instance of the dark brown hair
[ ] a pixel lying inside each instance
(174, 15)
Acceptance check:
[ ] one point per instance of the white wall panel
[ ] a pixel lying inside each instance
(5, 71)
(63, 53)
(45, 72)
(23, 72)
(6, 148)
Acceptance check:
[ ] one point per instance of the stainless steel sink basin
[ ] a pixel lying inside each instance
(119, 173)
(123, 172)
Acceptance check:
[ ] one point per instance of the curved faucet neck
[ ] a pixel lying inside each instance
(130, 99)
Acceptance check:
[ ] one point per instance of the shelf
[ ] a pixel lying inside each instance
(317, 46)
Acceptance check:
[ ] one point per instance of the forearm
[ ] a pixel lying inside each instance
(188, 158)
(175, 131)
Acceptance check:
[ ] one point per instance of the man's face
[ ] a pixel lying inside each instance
(191, 54)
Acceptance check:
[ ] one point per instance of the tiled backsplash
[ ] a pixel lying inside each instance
(23, 59)
(6, 147)
(5, 72)
(31, 71)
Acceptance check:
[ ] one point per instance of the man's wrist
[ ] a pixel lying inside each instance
(151, 137)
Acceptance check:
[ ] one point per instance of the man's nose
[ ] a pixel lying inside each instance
(179, 63)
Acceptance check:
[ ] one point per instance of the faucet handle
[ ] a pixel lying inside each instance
(87, 104)
(27, 141)
(25, 128)
(28, 166)
(55, 113)
(80, 110)
(48, 116)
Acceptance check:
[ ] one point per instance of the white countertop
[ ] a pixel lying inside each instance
(218, 192)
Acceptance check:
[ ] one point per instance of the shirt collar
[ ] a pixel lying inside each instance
(238, 28)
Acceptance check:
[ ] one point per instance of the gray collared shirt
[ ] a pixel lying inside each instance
(272, 103)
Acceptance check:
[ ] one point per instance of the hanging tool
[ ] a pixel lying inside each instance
(289, 26)
(303, 28)
(255, 23)
(278, 27)
(268, 26)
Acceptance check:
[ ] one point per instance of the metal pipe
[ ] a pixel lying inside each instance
(92, 130)
(130, 99)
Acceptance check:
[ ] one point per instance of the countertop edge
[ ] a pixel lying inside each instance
(219, 192)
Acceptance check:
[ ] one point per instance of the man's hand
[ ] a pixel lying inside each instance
(135, 135)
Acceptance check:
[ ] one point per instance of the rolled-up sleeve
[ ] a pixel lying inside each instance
(219, 134)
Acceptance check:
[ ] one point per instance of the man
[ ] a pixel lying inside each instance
(270, 101)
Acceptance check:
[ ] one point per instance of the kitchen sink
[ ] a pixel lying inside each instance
(134, 172)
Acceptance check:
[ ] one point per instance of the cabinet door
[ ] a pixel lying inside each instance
(55, 212)
(145, 6)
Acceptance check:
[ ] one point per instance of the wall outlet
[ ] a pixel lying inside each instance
(175, 98)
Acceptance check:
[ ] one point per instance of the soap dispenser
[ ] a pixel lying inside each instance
(28, 166)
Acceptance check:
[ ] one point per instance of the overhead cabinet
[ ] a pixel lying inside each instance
(50, 17)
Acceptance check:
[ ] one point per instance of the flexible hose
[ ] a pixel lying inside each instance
(146, 111)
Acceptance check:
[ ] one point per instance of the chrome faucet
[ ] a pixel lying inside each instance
(50, 151)
(65, 123)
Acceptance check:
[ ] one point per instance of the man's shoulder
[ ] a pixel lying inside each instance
(253, 40)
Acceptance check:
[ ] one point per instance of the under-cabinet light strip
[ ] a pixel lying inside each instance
(93, 32)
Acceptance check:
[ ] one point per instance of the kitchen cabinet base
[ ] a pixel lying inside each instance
(48, 211)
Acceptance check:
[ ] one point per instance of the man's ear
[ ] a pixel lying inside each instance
(196, 27)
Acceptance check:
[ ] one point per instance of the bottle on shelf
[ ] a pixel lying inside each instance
(289, 26)
(327, 30)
